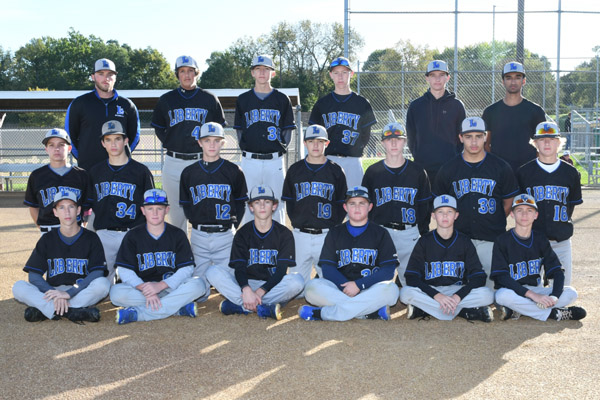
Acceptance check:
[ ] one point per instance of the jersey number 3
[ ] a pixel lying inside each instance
(349, 137)
(123, 211)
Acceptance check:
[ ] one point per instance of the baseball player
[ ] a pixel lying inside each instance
(264, 122)
(358, 261)
(177, 119)
(348, 118)
(519, 256)
(72, 260)
(118, 186)
(444, 276)
(400, 193)
(556, 188)
(433, 121)
(155, 264)
(483, 186)
(57, 176)
(314, 190)
(87, 113)
(256, 279)
(511, 121)
(213, 196)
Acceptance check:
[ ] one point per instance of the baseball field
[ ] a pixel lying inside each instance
(243, 357)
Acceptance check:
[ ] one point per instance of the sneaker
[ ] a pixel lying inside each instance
(88, 314)
(383, 313)
(189, 310)
(32, 314)
(228, 308)
(477, 314)
(126, 315)
(413, 312)
(307, 313)
(568, 313)
(269, 311)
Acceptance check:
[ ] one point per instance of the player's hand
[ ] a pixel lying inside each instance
(260, 292)
(152, 288)
(250, 299)
(540, 299)
(350, 288)
(153, 302)
(61, 306)
(53, 294)
(447, 304)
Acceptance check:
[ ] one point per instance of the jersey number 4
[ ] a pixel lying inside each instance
(349, 137)
(124, 211)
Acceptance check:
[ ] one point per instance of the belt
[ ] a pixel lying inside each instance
(313, 231)
(211, 228)
(184, 156)
(397, 226)
(48, 228)
(339, 155)
(261, 156)
(117, 229)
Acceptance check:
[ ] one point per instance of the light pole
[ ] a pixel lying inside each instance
(281, 44)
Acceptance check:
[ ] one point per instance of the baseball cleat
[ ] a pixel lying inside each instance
(88, 314)
(307, 313)
(383, 313)
(126, 315)
(269, 311)
(477, 314)
(567, 313)
(228, 308)
(32, 314)
(508, 313)
(413, 312)
(189, 310)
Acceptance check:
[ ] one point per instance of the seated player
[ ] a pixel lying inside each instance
(212, 192)
(72, 259)
(314, 191)
(155, 264)
(444, 276)
(358, 262)
(57, 176)
(518, 258)
(256, 279)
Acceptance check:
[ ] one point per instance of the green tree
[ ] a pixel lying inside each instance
(6, 70)
(578, 88)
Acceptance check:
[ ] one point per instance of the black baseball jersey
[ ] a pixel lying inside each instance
(314, 194)
(44, 183)
(436, 261)
(400, 195)
(365, 255)
(65, 264)
(556, 194)
(348, 120)
(262, 256)
(179, 115)
(479, 189)
(118, 193)
(154, 260)
(522, 261)
(213, 193)
(263, 120)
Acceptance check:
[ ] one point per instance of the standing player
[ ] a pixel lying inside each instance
(348, 118)
(177, 119)
(213, 195)
(511, 120)
(73, 261)
(155, 264)
(264, 121)
(444, 275)
(358, 261)
(556, 187)
(57, 176)
(314, 191)
(256, 279)
(483, 185)
(118, 186)
(433, 121)
(519, 256)
(400, 193)
(87, 113)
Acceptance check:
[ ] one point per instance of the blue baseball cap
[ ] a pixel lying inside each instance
(444, 200)
(155, 197)
(472, 124)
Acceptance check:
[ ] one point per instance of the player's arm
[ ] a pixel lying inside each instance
(285, 258)
(287, 195)
(328, 261)
(39, 282)
(239, 121)
(387, 261)
(415, 270)
(507, 204)
(34, 212)
(85, 282)
(411, 130)
(424, 203)
(240, 198)
(184, 196)
(133, 126)
(158, 121)
(500, 269)
(72, 126)
(475, 276)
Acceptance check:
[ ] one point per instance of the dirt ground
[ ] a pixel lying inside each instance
(243, 357)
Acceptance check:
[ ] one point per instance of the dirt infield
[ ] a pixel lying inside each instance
(242, 357)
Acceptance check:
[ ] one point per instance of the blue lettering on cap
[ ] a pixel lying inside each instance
(472, 123)
(315, 130)
(513, 66)
(261, 190)
(111, 125)
(261, 59)
(185, 59)
(546, 127)
(445, 200)
(211, 128)
(105, 63)
(54, 132)
(436, 64)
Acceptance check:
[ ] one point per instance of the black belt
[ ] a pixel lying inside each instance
(117, 229)
(260, 156)
(47, 229)
(184, 156)
(211, 228)
(312, 231)
(397, 226)
(339, 155)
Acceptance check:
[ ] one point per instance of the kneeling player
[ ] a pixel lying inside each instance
(256, 279)
(358, 261)
(444, 276)
(73, 260)
(155, 264)
(517, 265)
